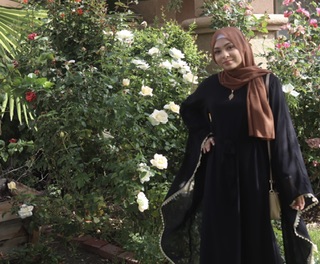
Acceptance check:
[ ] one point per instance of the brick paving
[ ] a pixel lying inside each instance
(105, 250)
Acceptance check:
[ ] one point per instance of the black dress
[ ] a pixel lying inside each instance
(217, 209)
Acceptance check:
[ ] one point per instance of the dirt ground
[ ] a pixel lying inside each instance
(53, 251)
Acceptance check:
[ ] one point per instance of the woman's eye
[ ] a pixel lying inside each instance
(230, 47)
(216, 52)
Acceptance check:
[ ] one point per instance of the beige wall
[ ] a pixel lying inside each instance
(262, 6)
(8, 3)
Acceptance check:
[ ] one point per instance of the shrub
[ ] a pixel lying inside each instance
(234, 14)
(295, 60)
(108, 137)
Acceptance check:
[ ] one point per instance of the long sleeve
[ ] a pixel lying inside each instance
(196, 120)
(184, 194)
(291, 179)
(288, 164)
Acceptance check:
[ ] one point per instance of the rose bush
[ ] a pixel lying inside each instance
(239, 14)
(295, 60)
(108, 138)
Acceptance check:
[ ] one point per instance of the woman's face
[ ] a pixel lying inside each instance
(226, 55)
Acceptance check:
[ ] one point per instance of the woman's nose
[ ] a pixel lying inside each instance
(225, 54)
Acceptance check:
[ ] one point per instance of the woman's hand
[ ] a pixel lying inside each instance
(207, 145)
(298, 203)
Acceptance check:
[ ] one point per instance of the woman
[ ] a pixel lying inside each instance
(217, 209)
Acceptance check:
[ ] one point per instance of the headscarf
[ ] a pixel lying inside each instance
(260, 118)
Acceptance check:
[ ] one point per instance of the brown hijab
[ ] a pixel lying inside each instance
(260, 118)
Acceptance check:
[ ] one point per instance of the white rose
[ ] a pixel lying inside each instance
(141, 64)
(125, 82)
(184, 69)
(173, 107)
(159, 161)
(158, 117)
(176, 54)
(142, 201)
(145, 177)
(146, 174)
(178, 64)
(106, 134)
(189, 77)
(146, 91)
(124, 36)
(166, 64)
(25, 211)
(154, 51)
(288, 88)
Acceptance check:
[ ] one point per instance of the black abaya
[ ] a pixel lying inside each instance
(217, 209)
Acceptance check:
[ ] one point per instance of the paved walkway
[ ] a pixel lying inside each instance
(105, 250)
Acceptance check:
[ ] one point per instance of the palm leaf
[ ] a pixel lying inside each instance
(13, 22)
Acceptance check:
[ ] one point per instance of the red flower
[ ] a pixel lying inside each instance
(32, 36)
(80, 11)
(31, 96)
(25, 1)
(13, 140)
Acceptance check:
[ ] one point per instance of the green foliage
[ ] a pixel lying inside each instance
(71, 27)
(40, 253)
(295, 60)
(315, 236)
(175, 5)
(13, 22)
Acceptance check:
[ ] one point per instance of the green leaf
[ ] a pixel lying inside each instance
(13, 22)
(11, 106)
(25, 114)
(18, 105)
(4, 104)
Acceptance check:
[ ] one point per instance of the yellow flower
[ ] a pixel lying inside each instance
(12, 185)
